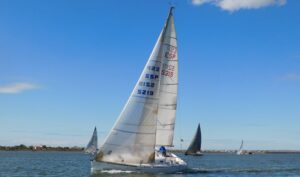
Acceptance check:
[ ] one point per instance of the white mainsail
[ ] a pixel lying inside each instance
(240, 151)
(168, 87)
(91, 147)
(133, 137)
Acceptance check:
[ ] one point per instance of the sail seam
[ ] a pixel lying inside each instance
(170, 45)
(125, 146)
(171, 60)
(143, 102)
(170, 84)
(167, 108)
(166, 124)
(138, 125)
(167, 104)
(144, 97)
(155, 61)
(132, 132)
(168, 92)
(172, 37)
(165, 129)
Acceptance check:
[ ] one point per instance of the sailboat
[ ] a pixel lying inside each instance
(92, 146)
(147, 120)
(240, 151)
(195, 146)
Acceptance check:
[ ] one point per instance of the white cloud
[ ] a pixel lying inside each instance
(234, 5)
(17, 87)
(291, 76)
(200, 2)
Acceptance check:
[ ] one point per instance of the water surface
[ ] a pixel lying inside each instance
(76, 164)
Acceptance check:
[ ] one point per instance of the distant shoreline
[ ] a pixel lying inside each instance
(22, 147)
(45, 148)
(248, 151)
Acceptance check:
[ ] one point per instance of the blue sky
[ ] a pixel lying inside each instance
(67, 66)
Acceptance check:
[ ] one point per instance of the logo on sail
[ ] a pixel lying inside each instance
(171, 52)
(168, 70)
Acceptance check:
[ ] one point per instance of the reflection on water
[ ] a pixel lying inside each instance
(114, 173)
(76, 164)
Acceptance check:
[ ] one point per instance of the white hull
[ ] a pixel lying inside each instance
(243, 153)
(195, 154)
(171, 164)
(239, 153)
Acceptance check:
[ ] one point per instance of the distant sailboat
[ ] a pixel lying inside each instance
(91, 147)
(147, 121)
(240, 151)
(195, 146)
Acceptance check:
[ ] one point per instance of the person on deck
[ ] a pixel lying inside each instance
(163, 151)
